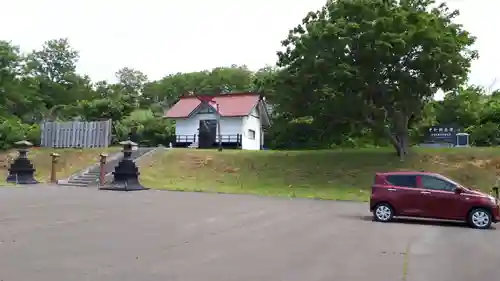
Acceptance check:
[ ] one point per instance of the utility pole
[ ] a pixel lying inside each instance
(218, 126)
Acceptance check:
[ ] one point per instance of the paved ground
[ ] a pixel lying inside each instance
(55, 233)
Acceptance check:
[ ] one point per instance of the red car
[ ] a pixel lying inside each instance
(430, 195)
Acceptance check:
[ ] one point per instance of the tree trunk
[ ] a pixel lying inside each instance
(401, 135)
(398, 144)
(398, 136)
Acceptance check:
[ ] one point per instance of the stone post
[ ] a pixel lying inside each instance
(102, 172)
(21, 171)
(53, 170)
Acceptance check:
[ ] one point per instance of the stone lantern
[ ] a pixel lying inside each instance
(126, 174)
(21, 171)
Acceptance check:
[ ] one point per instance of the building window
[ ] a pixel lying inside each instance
(251, 134)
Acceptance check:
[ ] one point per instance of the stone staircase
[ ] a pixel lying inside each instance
(193, 145)
(90, 176)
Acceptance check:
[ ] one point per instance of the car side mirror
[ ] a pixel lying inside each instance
(458, 190)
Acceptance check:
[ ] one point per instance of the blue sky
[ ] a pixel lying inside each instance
(163, 37)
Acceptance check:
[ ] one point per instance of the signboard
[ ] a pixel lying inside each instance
(443, 133)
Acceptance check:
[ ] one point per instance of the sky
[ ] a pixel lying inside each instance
(163, 37)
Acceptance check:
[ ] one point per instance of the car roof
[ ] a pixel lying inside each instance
(408, 173)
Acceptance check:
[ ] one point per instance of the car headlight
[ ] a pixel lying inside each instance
(492, 199)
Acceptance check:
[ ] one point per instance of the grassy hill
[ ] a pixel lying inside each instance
(70, 161)
(326, 174)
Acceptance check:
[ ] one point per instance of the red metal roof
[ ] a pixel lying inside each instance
(230, 105)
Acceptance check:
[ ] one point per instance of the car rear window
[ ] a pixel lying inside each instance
(402, 180)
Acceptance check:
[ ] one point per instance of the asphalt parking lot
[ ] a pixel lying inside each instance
(56, 233)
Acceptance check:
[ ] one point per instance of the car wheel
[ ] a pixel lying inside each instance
(383, 212)
(480, 218)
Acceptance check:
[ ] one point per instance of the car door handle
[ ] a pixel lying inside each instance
(425, 192)
(391, 189)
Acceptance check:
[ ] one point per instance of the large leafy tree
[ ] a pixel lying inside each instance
(132, 80)
(17, 98)
(9, 68)
(54, 69)
(372, 62)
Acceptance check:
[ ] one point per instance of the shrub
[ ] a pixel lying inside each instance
(12, 130)
(144, 128)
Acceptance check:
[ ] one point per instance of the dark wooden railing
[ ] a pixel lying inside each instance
(186, 138)
(229, 138)
(233, 138)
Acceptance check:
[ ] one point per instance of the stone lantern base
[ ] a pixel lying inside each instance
(22, 172)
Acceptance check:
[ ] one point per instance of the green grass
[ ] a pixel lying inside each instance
(71, 160)
(322, 174)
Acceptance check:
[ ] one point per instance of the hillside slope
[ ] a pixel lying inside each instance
(328, 174)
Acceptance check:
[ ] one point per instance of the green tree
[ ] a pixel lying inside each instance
(462, 107)
(377, 62)
(103, 109)
(17, 96)
(168, 90)
(131, 82)
(264, 80)
(54, 68)
(10, 62)
(227, 79)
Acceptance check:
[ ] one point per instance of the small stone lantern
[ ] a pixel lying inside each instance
(21, 171)
(126, 174)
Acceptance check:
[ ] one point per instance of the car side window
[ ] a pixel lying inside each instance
(433, 183)
(403, 180)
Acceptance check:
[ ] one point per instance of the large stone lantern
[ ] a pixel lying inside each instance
(126, 174)
(21, 171)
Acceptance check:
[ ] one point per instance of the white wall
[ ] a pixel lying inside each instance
(228, 125)
(251, 123)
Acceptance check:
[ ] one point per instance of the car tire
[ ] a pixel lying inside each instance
(479, 218)
(383, 212)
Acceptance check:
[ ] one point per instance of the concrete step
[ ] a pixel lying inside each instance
(193, 145)
(88, 176)
(73, 184)
(92, 176)
(82, 181)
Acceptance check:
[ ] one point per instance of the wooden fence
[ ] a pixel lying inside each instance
(76, 134)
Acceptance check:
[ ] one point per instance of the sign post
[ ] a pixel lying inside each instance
(443, 134)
